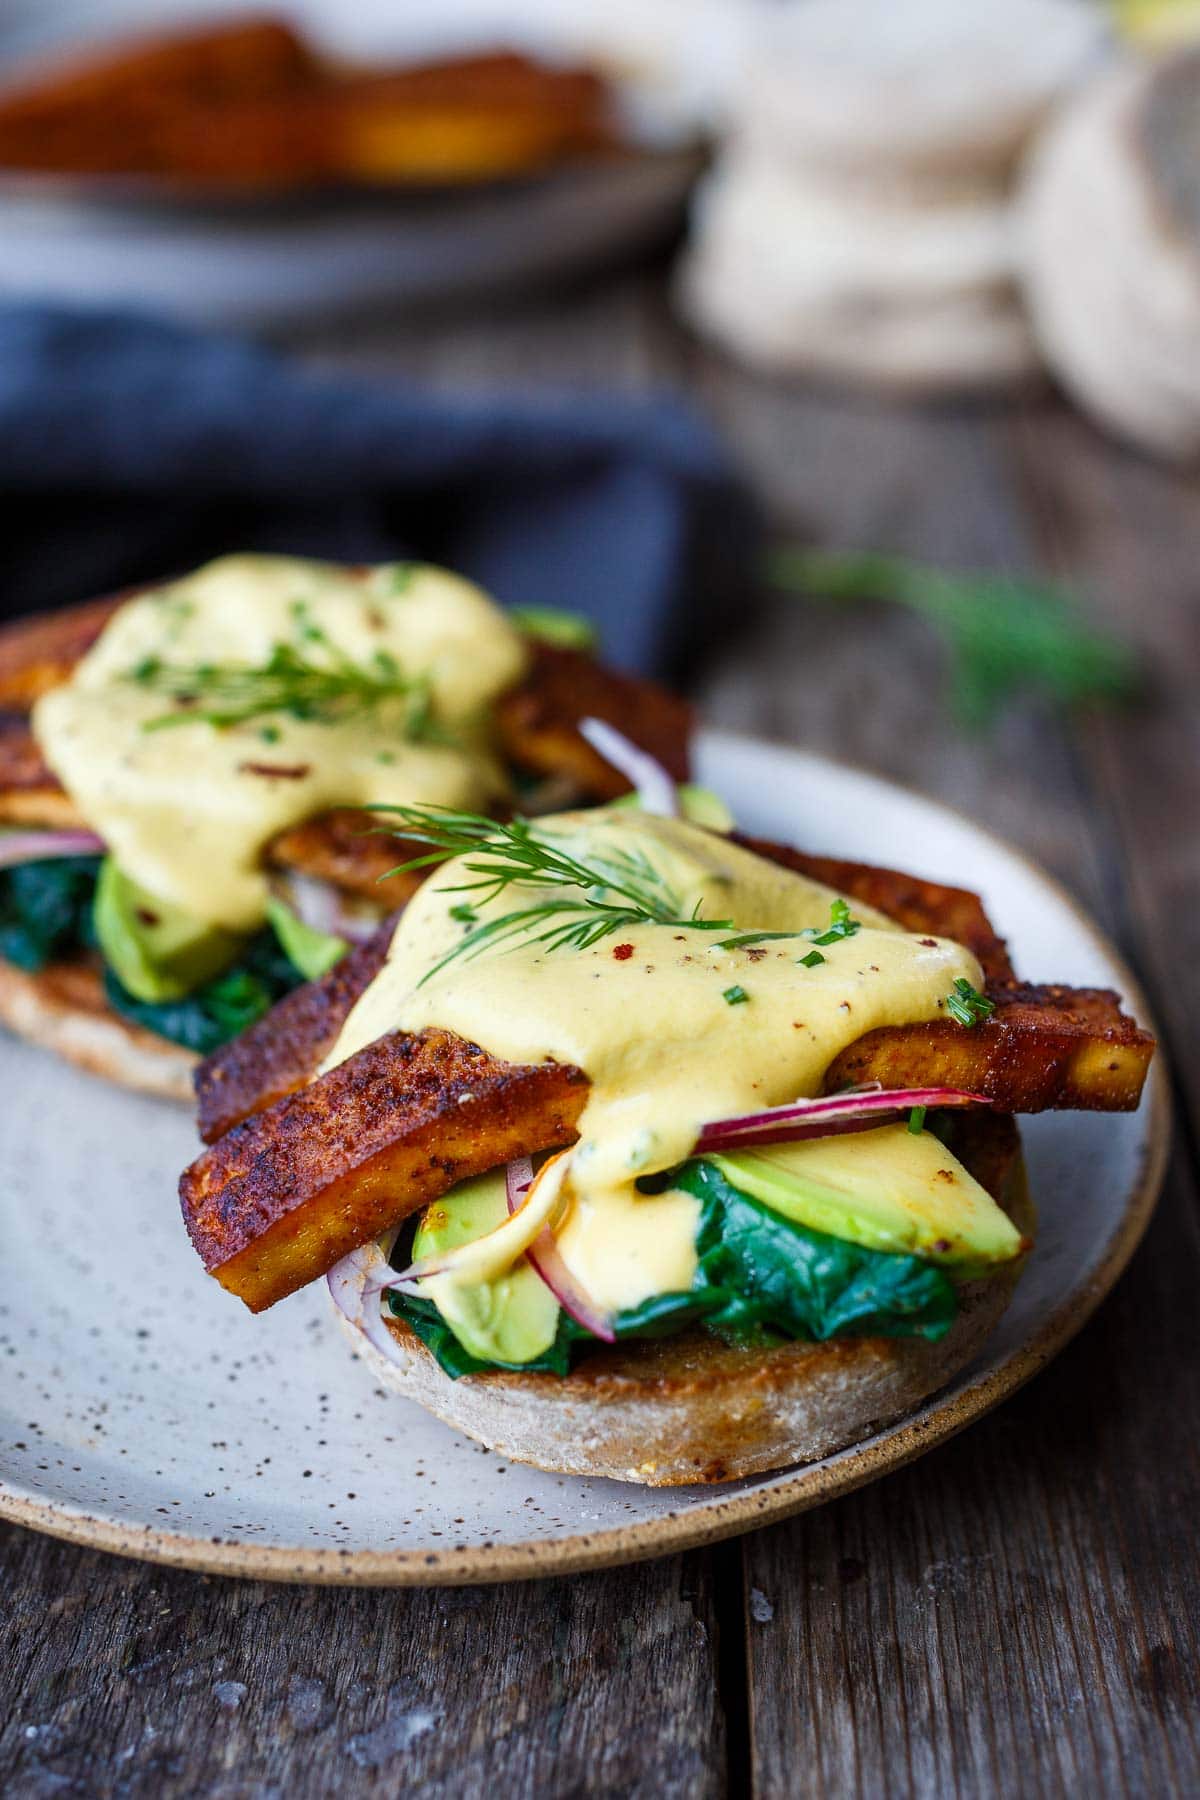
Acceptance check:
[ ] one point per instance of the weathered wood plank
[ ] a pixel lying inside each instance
(999, 1618)
(1129, 534)
(128, 1681)
(1017, 1613)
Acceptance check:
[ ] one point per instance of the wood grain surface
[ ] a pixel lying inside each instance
(1017, 1614)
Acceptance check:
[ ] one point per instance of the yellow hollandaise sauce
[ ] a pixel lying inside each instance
(673, 1025)
(186, 803)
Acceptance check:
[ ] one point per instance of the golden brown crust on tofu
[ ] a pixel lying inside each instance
(1043, 1048)
(914, 904)
(342, 847)
(538, 721)
(282, 1198)
(29, 793)
(279, 1053)
(40, 652)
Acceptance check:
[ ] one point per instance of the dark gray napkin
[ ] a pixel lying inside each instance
(131, 449)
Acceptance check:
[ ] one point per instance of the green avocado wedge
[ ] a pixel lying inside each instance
(887, 1189)
(512, 1321)
(157, 951)
(311, 951)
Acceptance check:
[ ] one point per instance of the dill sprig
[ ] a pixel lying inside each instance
(615, 890)
(314, 680)
(1004, 634)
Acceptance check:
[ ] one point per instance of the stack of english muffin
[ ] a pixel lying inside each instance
(1111, 220)
(859, 223)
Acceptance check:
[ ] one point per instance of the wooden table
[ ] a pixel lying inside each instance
(1018, 1613)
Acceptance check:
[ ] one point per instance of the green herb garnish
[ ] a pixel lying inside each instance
(1005, 634)
(550, 625)
(322, 688)
(735, 996)
(841, 925)
(617, 890)
(916, 1120)
(966, 1004)
(812, 960)
(400, 576)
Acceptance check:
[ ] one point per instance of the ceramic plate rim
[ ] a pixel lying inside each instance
(703, 1522)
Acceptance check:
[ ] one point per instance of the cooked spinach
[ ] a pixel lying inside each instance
(437, 1337)
(781, 1276)
(46, 914)
(761, 1279)
(46, 910)
(233, 1000)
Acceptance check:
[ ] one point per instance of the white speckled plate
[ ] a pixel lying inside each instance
(144, 1411)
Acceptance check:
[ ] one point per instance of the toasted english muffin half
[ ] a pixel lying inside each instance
(62, 1008)
(692, 1409)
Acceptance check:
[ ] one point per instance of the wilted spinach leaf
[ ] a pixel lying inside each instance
(46, 910)
(806, 1284)
(233, 1000)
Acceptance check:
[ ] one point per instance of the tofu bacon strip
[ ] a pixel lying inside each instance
(282, 1198)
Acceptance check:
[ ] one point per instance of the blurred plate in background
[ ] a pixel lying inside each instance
(287, 263)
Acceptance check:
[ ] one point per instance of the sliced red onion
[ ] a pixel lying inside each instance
(322, 907)
(826, 1117)
(356, 1286)
(354, 927)
(314, 902)
(650, 781)
(45, 846)
(545, 1258)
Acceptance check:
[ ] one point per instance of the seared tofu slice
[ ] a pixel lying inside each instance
(916, 905)
(538, 722)
(40, 652)
(1043, 1049)
(282, 1198)
(279, 1053)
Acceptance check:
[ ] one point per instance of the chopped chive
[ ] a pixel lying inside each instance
(841, 925)
(466, 915)
(735, 996)
(916, 1120)
(811, 960)
(745, 938)
(967, 1005)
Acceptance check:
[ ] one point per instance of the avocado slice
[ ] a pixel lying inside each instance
(513, 1320)
(887, 1189)
(311, 951)
(156, 950)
